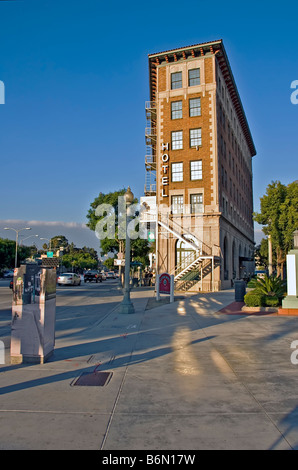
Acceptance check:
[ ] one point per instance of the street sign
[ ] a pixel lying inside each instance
(165, 283)
(119, 262)
(151, 236)
(50, 254)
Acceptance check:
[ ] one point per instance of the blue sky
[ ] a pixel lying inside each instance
(76, 81)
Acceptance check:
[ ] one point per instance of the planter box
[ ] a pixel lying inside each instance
(259, 309)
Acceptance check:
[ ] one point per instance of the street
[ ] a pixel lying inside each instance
(178, 376)
(77, 307)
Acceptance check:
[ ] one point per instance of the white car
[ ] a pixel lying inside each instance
(111, 275)
(70, 279)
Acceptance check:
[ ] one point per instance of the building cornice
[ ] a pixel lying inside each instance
(206, 49)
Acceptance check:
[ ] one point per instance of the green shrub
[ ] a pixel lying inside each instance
(251, 283)
(254, 299)
(270, 286)
(272, 301)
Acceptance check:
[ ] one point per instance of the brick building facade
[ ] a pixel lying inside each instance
(199, 168)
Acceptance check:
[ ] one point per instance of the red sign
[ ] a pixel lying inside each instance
(165, 283)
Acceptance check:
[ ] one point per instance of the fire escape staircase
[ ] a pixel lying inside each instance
(193, 269)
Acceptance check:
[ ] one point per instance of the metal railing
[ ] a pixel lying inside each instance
(150, 106)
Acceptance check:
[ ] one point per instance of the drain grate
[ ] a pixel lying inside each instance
(93, 379)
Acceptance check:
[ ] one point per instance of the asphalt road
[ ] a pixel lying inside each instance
(77, 307)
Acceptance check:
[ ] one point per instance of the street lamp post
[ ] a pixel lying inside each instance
(23, 239)
(17, 239)
(126, 305)
(48, 240)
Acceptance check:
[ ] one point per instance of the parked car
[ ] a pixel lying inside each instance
(94, 276)
(8, 274)
(70, 279)
(111, 275)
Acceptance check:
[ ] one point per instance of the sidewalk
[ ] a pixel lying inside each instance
(179, 376)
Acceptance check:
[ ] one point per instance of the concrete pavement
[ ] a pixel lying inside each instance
(179, 376)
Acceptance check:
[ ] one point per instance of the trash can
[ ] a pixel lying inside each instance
(240, 290)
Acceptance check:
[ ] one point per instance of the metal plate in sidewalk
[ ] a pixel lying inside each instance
(93, 379)
(103, 358)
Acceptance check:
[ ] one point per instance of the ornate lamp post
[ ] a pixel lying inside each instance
(17, 238)
(126, 305)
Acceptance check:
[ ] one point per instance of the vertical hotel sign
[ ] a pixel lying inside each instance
(165, 170)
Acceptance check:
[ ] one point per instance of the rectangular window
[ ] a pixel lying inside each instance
(177, 172)
(196, 170)
(195, 136)
(176, 80)
(177, 204)
(176, 110)
(177, 140)
(196, 203)
(195, 107)
(194, 77)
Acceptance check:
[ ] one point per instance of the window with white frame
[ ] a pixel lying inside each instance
(177, 140)
(195, 137)
(177, 204)
(196, 203)
(176, 110)
(196, 172)
(176, 80)
(194, 77)
(177, 172)
(195, 107)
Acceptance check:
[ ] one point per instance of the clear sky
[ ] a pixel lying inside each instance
(76, 82)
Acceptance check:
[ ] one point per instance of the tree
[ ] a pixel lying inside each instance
(109, 263)
(288, 221)
(108, 245)
(59, 241)
(140, 247)
(79, 261)
(7, 253)
(140, 251)
(279, 217)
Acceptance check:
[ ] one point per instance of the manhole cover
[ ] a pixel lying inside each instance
(94, 379)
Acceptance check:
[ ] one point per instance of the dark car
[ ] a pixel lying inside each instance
(8, 274)
(92, 276)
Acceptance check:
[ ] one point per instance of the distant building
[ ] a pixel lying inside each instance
(198, 162)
